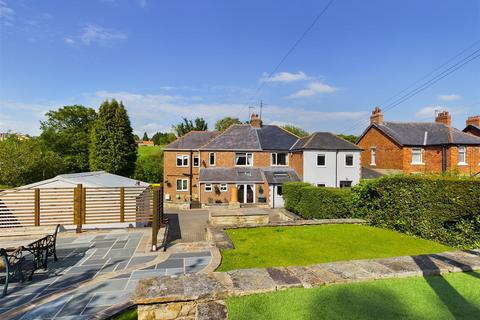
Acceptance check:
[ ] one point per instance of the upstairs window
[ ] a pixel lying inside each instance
(321, 160)
(462, 155)
(182, 161)
(349, 160)
(244, 159)
(417, 156)
(211, 159)
(196, 161)
(373, 160)
(279, 159)
(223, 187)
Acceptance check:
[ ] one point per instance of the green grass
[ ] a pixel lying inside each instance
(129, 314)
(453, 296)
(146, 151)
(3, 187)
(304, 245)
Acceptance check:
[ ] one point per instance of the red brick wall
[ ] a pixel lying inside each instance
(389, 154)
(296, 162)
(171, 173)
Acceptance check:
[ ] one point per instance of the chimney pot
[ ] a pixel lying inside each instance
(377, 116)
(444, 117)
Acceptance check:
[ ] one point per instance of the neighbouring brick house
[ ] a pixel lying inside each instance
(203, 166)
(419, 147)
(473, 126)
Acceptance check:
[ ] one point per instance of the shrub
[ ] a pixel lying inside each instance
(443, 209)
(312, 202)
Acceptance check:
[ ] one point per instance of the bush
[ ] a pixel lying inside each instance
(435, 208)
(312, 202)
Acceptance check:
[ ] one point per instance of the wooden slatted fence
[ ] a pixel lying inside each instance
(77, 206)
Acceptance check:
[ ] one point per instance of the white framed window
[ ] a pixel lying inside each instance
(244, 159)
(182, 184)
(182, 161)
(208, 187)
(417, 156)
(196, 160)
(279, 159)
(321, 160)
(212, 159)
(373, 157)
(223, 187)
(462, 155)
(349, 160)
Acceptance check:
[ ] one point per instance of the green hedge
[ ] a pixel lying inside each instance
(312, 202)
(435, 208)
(442, 209)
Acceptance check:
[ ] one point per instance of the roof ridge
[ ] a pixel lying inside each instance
(309, 140)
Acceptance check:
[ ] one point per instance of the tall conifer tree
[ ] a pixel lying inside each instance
(112, 144)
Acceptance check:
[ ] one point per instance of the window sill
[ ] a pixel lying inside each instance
(417, 163)
(462, 164)
(373, 164)
(279, 165)
(321, 166)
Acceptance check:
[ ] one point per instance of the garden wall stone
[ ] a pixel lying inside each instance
(199, 296)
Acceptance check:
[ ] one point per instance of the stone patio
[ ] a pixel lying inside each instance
(95, 271)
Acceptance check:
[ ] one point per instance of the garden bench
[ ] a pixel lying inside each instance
(11, 266)
(40, 243)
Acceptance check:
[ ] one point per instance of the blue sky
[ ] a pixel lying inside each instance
(172, 59)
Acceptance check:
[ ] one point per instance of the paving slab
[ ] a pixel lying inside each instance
(249, 281)
(283, 278)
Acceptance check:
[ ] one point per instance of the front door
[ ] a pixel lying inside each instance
(246, 193)
(276, 196)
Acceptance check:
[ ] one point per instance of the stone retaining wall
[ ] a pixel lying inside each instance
(200, 296)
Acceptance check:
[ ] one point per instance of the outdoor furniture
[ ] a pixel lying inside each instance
(14, 252)
(11, 266)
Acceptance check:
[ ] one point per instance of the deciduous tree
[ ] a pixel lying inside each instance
(223, 124)
(199, 124)
(295, 130)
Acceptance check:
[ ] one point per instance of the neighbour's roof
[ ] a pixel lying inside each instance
(424, 134)
(230, 175)
(324, 141)
(247, 137)
(472, 128)
(192, 140)
(280, 175)
(87, 179)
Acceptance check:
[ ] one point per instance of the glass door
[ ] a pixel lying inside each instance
(250, 193)
(241, 193)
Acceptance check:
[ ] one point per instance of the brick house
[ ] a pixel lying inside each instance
(254, 158)
(419, 147)
(473, 126)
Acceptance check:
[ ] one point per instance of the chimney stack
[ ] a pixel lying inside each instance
(377, 116)
(255, 121)
(444, 117)
(474, 121)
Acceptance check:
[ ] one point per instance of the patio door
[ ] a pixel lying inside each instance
(246, 193)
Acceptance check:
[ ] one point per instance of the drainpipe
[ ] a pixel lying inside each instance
(444, 159)
(336, 168)
(191, 178)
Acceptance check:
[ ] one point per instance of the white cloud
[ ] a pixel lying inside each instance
(7, 14)
(92, 33)
(68, 40)
(449, 97)
(284, 77)
(313, 89)
(429, 112)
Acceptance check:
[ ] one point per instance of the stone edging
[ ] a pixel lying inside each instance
(202, 289)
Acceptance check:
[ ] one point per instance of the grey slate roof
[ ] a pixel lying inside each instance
(233, 175)
(324, 141)
(192, 140)
(246, 137)
(280, 175)
(275, 138)
(425, 134)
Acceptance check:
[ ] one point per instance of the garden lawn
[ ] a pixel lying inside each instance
(146, 151)
(304, 245)
(453, 296)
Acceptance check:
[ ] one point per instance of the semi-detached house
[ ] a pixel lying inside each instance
(202, 167)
